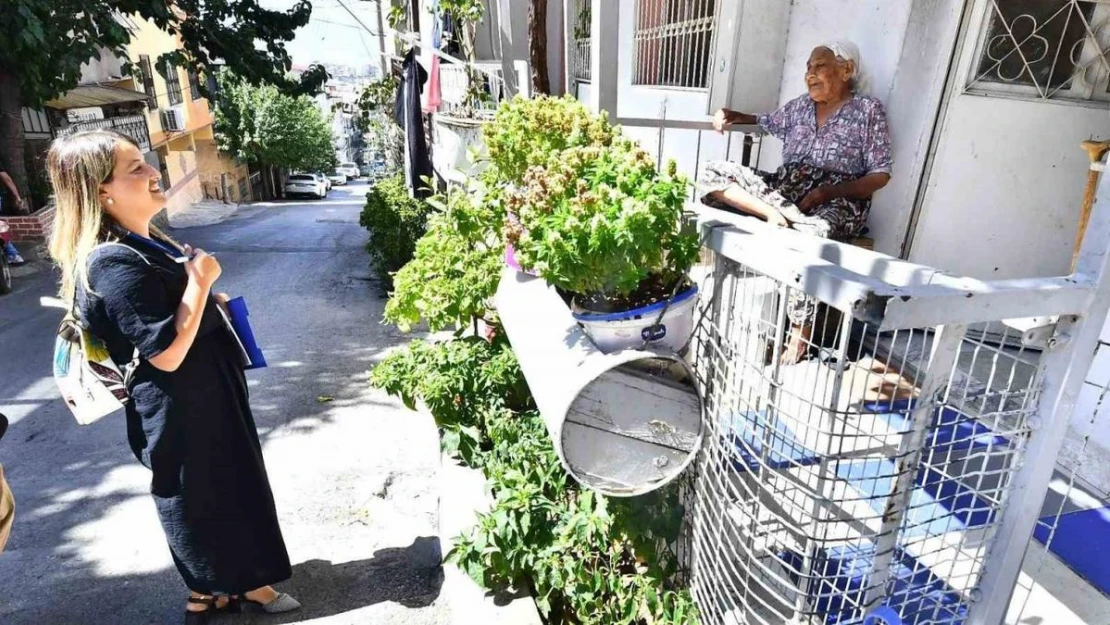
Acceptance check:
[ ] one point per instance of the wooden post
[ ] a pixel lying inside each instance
(1095, 151)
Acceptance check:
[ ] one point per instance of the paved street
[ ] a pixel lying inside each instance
(352, 471)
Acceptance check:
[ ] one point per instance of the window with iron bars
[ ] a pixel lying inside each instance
(147, 77)
(173, 84)
(1044, 50)
(672, 43)
(582, 44)
(194, 85)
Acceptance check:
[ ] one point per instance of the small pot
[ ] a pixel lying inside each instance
(614, 331)
(511, 262)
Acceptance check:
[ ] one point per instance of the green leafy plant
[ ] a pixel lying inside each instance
(455, 269)
(459, 381)
(396, 222)
(604, 221)
(527, 132)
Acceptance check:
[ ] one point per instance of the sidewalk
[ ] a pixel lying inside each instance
(203, 213)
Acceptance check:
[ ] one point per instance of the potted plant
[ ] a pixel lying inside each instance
(526, 133)
(603, 224)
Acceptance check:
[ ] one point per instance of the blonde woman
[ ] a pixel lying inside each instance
(189, 420)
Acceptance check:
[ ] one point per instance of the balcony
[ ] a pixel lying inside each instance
(133, 126)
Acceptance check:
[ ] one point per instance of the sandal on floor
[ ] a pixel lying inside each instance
(200, 617)
(280, 604)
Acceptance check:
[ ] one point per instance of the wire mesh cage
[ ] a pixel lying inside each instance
(848, 466)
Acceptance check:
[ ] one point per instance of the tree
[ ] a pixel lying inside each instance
(263, 126)
(537, 45)
(45, 43)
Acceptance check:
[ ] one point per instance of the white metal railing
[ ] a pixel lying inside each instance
(691, 144)
(905, 463)
(672, 41)
(478, 88)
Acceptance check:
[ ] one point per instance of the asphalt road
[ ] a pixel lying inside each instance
(352, 471)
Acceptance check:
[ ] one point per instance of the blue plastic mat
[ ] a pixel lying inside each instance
(918, 595)
(1082, 541)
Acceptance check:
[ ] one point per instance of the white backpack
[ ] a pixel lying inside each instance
(92, 385)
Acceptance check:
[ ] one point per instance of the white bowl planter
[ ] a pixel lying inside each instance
(623, 423)
(630, 329)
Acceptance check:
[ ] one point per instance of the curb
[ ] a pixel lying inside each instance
(462, 496)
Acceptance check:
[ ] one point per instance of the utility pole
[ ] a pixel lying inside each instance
(384, 63)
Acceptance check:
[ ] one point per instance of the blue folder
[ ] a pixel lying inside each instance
(241, 323)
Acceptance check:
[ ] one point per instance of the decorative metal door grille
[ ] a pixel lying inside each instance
(673, 39)
(1045, 49)
(582, 43)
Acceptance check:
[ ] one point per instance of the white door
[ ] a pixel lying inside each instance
(1030, 82)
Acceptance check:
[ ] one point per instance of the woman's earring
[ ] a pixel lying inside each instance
(111, 201)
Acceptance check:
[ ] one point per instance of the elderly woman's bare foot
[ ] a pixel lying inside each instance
(797, 345)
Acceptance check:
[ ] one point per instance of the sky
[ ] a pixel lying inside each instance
(333, 35)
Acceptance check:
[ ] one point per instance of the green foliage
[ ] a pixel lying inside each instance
(525, 133)
(395, 221)
(455, 269)
(588, 202)
(262, 125)
(47, 41)
(601, 220)
(460, 382)
(587, 558)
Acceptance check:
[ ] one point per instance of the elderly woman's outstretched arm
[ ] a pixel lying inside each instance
(728, 117)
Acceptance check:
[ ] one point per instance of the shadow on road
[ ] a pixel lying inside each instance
(411, 577)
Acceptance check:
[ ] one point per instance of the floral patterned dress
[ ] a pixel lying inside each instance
(853, 142)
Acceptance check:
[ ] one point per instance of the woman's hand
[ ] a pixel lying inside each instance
(720, 120)
(202, 268)
(816, 197)
(777, 219)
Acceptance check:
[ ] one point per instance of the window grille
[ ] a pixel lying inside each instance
(672, 42)
(147, 77)
(582, 43)
(1045, 49)
(173, 84)
(194, 85)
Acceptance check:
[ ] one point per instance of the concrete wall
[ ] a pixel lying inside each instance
(220, 176)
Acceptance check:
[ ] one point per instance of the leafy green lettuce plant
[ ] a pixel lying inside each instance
(527, 132)
(602, 220)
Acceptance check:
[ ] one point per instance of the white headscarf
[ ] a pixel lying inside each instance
(847, 51)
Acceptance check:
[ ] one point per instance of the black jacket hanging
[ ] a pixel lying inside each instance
(418, 164)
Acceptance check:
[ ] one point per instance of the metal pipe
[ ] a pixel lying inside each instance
(624, 423)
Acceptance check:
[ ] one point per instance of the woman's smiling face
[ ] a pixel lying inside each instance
(827, 79)
(135, 187)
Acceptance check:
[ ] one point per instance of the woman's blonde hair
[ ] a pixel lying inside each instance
(78, 164)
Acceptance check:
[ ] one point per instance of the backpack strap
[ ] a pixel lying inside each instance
(130, 367)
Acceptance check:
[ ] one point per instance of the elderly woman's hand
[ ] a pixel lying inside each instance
(720, 120)
(816, 197)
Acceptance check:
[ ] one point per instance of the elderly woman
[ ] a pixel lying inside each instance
(836, 153)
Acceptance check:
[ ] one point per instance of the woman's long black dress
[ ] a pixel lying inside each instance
(193, 427)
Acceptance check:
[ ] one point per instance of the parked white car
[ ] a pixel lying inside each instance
(349, 170)
(305, 185)
(337, 178)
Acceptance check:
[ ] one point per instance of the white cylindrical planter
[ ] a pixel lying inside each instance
(623, 423)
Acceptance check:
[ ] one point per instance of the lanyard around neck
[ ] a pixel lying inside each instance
(172, 252)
